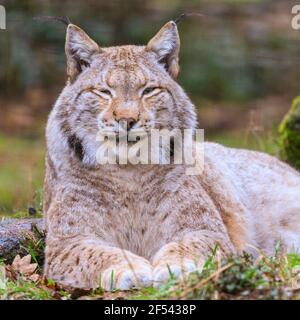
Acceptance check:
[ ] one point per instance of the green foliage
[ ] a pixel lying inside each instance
(21, 175)
(289, 132)
(293, 260)
(23, 290)
(239, 277)
(35, 246)
(250, 139)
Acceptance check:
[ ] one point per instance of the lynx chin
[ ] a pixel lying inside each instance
(123, 226)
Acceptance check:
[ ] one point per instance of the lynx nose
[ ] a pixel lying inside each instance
(127, 123)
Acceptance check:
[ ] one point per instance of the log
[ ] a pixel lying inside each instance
(14, 233)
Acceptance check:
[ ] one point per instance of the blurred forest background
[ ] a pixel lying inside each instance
(240, 63)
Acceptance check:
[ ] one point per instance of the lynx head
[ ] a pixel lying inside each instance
(131, 85)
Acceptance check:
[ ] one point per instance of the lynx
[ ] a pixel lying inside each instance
(123, 226)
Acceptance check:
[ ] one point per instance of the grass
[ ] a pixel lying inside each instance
(242, 277)
(21, 174)
(275, 277)
(252, 140)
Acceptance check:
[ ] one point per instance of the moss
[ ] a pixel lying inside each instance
(289, 135)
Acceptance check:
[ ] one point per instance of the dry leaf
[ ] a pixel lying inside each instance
(24, 265)
(10, 273)
(34, 277)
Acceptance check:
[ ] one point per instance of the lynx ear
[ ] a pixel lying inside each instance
(166, 45)
(79, 51)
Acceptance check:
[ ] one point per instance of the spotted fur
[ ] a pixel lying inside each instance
(129, 225)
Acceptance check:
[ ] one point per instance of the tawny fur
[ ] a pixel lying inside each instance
(139, 221)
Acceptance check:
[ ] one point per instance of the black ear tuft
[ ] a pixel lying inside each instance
(65, 20)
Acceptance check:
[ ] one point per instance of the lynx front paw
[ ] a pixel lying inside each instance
(163, 272)
(126, 278)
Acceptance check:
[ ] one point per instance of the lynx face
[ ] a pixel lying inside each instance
(121, 89)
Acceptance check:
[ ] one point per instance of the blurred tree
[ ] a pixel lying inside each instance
(289, 131)
(236, 51)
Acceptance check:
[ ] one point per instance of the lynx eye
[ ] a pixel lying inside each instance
(148, 90)
(99, 92)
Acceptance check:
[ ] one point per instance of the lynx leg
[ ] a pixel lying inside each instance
(89, 264)
(187, 255)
